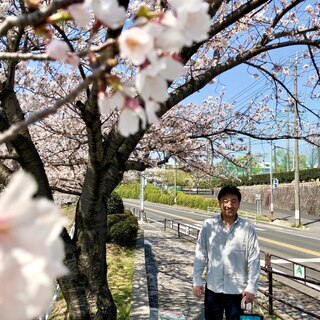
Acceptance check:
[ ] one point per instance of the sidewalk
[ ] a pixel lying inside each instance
(169, 262)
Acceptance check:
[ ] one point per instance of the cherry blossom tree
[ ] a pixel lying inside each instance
(91, 89)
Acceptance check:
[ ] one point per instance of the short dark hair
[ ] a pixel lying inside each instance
(231, 190)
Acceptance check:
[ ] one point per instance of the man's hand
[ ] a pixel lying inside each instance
(249, 296)
(198, 291)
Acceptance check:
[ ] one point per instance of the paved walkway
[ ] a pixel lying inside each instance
(169, 263)
(162, 286)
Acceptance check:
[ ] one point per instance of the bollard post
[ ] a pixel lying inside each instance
(165, 224)
(142, 217)
(178, 230)
(270, 282)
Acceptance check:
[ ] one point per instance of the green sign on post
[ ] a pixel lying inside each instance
(299, 271)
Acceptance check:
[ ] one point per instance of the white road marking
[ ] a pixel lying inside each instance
(298, 260)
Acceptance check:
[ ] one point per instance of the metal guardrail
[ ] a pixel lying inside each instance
(307, 279)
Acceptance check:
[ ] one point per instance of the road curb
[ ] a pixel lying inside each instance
(139, 297)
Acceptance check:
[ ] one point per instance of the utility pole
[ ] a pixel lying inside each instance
(175, 181)
(250, 157)
(288, 141)
(275, 157)
(296, 152)
(142, 184)
(271, 185)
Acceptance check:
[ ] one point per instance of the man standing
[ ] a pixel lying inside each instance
(228, 247)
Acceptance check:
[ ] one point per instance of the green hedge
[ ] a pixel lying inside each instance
(114, 204)
(283, 177)
(154, 194)
(122, 228)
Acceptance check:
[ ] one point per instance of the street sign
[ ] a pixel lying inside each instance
(275, 183)
(299, 271)
(258, 196)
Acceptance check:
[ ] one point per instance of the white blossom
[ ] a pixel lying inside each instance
(151, 86)
(151, 81)
(108, 104)
(59, 50)
(167, 35)
(135, 44)
(151, 108)
(81, 13)
(31, 251)
(109, 12)
(193, 18)
(129, 121)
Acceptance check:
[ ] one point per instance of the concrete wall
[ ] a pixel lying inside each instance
(283, 197)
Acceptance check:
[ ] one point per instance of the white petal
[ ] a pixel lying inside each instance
(109, 12)
(31, 251)
(57, 49)
(128, 122)
(173, 70)
(135, 44)
(20, 189)
(154, 88)
(151, 109)
(81, 14)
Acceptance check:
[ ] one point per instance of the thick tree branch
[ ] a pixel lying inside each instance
(34, 18)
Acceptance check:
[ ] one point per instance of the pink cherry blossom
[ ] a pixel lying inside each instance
(109, 12)
(81, 13)
(60, 51)
(193, 18)
(151, 108)
(31, 251)
(108, 104)
(135, 45)
(151, 86)
(151, 81)
(129, 121)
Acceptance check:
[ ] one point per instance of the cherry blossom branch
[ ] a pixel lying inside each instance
(283, 86)
(314, 65)
(136, 165)
(16, 128)
(226, 22)
(278, 17)
(43, 56)
(69, 191)
(36, 17)
(305, 137)
(13, 56)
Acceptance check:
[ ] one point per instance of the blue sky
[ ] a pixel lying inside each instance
(244, 89)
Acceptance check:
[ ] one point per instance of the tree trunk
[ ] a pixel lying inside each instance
(86, 288)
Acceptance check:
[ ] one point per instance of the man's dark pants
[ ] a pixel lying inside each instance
(216, 303)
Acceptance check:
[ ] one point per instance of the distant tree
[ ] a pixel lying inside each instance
(280, 161)
(312, 156)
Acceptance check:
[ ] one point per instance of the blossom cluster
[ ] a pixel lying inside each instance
(151, 44)
(31, 251)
